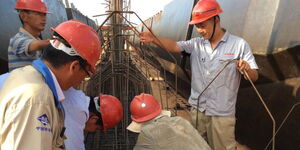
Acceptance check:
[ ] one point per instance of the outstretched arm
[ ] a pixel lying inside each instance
(167, 44)
(37, 45)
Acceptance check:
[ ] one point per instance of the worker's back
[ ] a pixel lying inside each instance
(170, 133)
(29, 118)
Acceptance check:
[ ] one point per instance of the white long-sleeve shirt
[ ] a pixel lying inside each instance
(76, 105)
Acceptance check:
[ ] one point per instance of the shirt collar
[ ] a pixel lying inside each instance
(225, 36)
(27, 33)
(59, 91)
(223, 39)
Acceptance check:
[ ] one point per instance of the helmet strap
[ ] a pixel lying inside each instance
(214, 29)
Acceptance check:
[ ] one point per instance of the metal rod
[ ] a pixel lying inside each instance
(266, 107)
(174, 59)
(143, 53)
(198, 98)
(282, 123)
(128, 103)
(104, 21)
(159, 88)
(120, 74)
(100, 15)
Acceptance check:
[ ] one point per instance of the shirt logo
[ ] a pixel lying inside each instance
(43, 119)
(229, 54)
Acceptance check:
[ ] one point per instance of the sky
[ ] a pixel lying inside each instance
(144, 8)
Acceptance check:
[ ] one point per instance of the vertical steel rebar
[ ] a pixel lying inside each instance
(266, 108)
(116, 75)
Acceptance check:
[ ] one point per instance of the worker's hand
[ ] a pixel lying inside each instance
(37, 45)
(91, 124)
(242, 65)
(43, 43)
(146, 37)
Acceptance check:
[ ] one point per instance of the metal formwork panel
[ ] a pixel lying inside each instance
(91, 23)
(57, 16)
(75, 14)
(172, 23)
(10, 24)
(285, 32)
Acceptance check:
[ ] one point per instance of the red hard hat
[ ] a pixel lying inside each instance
(204, 10)
(33, 5)
(111, 111)
(144, 107)
(82, 38)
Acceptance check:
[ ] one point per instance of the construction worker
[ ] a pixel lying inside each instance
(78, 118)
(31, 113)
(27, 45)
(106, 111)
(109, 110)
(158, 131)
(208, 54)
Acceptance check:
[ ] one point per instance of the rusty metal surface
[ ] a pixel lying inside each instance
(125, 71)
(116, 75)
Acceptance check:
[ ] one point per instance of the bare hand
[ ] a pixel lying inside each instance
(146, 37)
(91, 124)
(242, 65)
(47, 41)
(43, 43)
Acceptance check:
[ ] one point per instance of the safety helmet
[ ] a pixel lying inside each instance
(82, 38)
(144, 107)
(111, 111)
(33, 5)
(205, 9)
